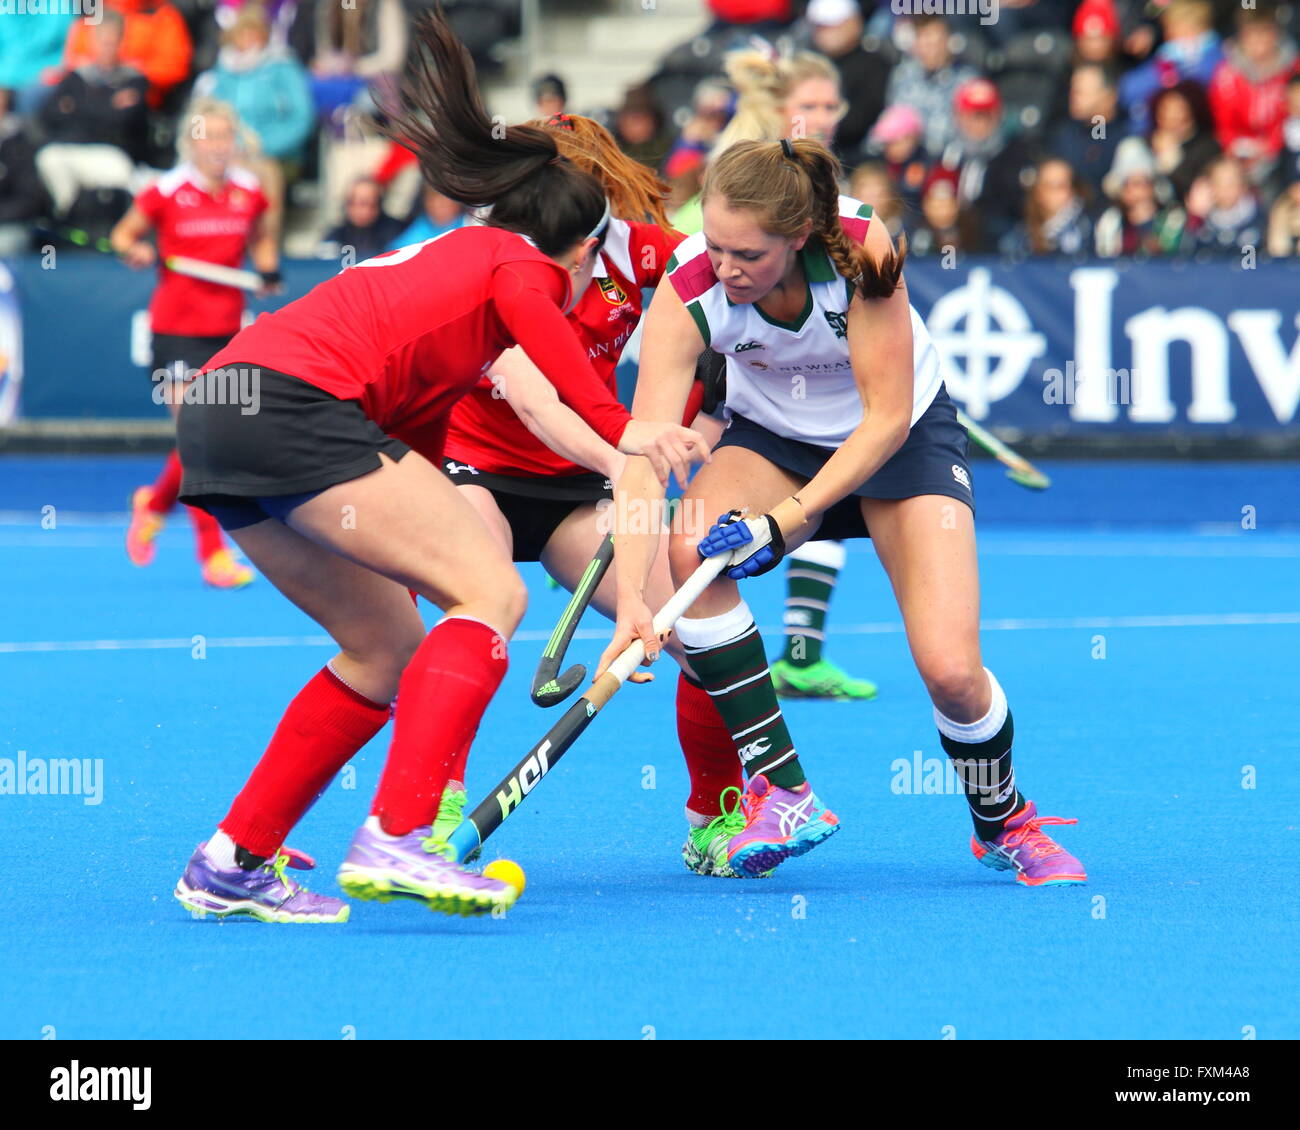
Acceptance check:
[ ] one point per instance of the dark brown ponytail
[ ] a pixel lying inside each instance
(789, 183)
(438, 114)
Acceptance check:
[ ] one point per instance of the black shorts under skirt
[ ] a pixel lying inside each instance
(534, 506)
(257, 444)
(934, 459)
(181, 354)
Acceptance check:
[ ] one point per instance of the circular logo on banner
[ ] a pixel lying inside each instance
(985, 340)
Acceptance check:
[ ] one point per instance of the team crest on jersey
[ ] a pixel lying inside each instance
(838, 322)
(614, 294)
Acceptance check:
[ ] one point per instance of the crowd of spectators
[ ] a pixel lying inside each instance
(1070, 127)
(1074, 127)
(91, 107)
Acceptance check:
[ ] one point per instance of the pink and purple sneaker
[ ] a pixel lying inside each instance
(265, 892)
(1022, 846)
(779, 823)
(383, 867)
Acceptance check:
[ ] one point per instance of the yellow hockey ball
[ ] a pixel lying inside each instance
(507, 871)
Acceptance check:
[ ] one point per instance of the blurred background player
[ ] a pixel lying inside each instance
(207, 208)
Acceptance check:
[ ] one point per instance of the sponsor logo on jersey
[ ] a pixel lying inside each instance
(603, 347)
(759, 364)
(816, 367)
(746, 346)
(838, 322)
(614, 294)
(454, 468)
(959, 473)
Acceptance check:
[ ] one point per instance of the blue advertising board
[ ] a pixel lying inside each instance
(85, 333)
(1053, 347)
(1049, 347)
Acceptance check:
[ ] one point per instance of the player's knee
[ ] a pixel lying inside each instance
(955, 685)
(402, 645)
(516, 602)
(382, 638)
(384, 657)
(683, 558)
(508, 602)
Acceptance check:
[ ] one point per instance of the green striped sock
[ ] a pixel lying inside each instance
(808, 594)
(735, 674)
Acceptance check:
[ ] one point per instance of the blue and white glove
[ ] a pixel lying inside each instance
(757, 543)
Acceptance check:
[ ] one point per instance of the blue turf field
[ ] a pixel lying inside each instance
(1187, 929)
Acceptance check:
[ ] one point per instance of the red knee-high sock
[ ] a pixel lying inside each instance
(324, 727)
(461, 758)
(441, 699)
(707, 746)
(459, 762)
(207, 532)
(167, 485)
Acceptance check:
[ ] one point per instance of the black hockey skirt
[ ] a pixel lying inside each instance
(254, 443)
(934, 459)
(534, 505)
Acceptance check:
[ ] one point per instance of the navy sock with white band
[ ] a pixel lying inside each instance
(981, 754)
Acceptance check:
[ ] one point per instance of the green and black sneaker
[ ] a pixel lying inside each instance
(819, 680)
(705, 850)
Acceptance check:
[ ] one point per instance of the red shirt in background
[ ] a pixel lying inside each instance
(1250, 107)
(484, 430)
(752, 11)
(214, 227)
(409, 332)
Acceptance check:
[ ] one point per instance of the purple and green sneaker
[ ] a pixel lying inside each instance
(1023, 847)
(779, 823)
(265, 893)
(383, 867)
